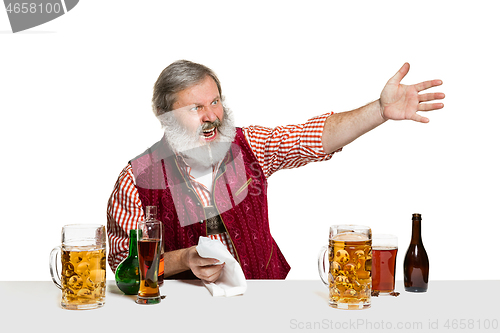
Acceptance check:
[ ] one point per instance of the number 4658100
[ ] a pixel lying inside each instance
(470, 324)
(32, 8)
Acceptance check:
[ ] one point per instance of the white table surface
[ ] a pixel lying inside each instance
(267, 306)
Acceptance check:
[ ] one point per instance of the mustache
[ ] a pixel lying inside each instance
(208, 125)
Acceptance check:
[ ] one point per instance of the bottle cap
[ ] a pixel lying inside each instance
(151, 212)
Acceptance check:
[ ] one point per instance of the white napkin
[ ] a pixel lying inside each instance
(232, 281)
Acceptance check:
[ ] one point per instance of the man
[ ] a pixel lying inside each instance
(208, 178)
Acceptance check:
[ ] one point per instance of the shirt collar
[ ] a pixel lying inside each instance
(181, 162)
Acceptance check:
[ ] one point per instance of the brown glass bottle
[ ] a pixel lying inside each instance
(416, 264)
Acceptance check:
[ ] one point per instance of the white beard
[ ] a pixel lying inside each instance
(196, 153)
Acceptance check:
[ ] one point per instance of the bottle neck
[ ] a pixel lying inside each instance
(416, 232)
(151, 212)
(133, 243)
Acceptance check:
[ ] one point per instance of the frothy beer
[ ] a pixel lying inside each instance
(83, 276)
(350, 258)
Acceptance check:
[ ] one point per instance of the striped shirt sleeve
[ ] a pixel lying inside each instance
(287, 147)
(123, 213)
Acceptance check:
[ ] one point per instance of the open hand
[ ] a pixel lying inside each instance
(400, 102)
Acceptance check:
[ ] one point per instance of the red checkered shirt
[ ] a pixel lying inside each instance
(282, 147)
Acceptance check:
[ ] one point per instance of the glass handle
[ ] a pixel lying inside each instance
(323, 265)
(54, 259)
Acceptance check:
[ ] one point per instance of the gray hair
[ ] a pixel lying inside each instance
(178, 76)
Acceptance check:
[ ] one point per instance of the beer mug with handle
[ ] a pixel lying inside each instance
(83, 266)
(345, 266)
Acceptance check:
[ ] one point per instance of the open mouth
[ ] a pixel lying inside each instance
(209, 134)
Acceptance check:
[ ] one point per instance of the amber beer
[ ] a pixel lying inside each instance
(149, 259)
(350, 258)
(151, 216)
(82, 256)
(149, 248)
(83, 277)
(383, 269)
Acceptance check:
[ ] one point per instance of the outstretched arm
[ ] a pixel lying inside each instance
(397, 102)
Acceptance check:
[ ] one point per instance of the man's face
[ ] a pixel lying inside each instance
(206, 108)
(199, 128)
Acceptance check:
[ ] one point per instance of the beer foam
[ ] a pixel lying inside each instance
(73, 248)
(350, 237)
(383, 247)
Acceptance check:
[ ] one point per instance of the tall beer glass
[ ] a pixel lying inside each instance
(149, 242)
(349, 266)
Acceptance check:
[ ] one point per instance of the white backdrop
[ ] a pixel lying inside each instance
(75, 100)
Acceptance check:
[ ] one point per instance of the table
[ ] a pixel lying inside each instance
(268, 306)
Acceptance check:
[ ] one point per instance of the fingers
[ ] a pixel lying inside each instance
(419, 118)
(430, 97)
(430, 106)
(427, 98)
(396, 79)
(210, 273)
(200, 261)
(426, 107)
(207, 269)
(427, 84)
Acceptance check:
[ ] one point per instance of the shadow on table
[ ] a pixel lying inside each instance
(112, 288)
(322, 295)
(192, 282)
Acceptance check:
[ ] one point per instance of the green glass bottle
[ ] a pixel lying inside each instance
(127, 274)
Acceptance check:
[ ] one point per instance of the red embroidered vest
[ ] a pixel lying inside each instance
(240, 196)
